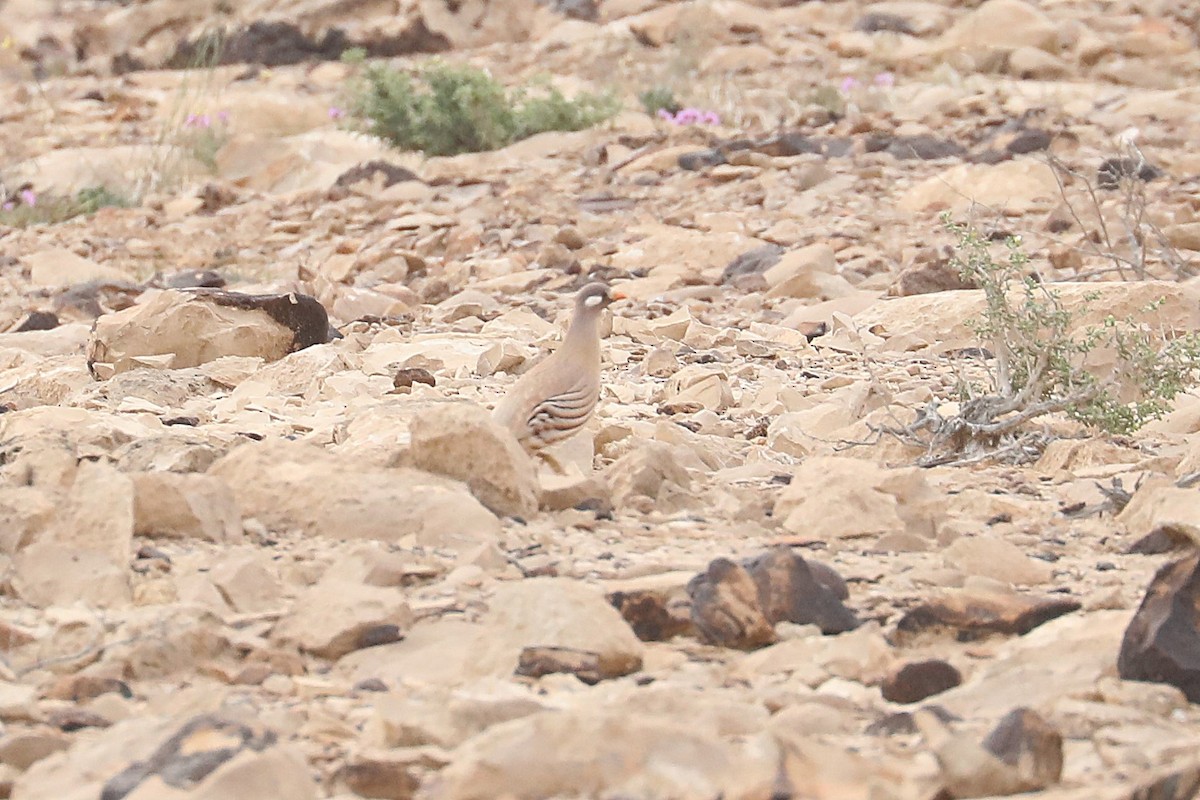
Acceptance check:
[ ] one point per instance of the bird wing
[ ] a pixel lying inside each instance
(562, 414)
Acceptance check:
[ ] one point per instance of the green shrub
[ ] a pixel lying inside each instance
(25, 209)
(1039, 349)
(446, 109)
(659, 98)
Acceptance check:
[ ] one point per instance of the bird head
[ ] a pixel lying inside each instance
(596, 296)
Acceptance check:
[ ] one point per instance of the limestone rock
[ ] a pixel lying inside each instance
(48, 573)
(1003, 24)
(247, 582)
(596, 753)
(211, 757)
(336, 617)
(552, 612)
(185, 506)
(25, 513)
(292, 485)
(1162, 638)
(173, 329)
(1022, 754)
(996, 558)
(97, 514)
(839, 498)
(462, 441)
(1019, 186)
(59, 267)
(647, 471)
(1163, 509)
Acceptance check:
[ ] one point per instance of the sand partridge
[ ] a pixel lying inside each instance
(555, 399)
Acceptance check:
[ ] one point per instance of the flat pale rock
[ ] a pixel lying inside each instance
(185, 506)
(288, 485)
(997, 559)
(843, 498)
(1167, 509)
(335, 617)
(600, 753)
(59, 267)
(52, 574)
(942, 318)
(1019, 186)
(973, 614)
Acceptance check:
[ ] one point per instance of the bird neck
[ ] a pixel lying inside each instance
(584, 333)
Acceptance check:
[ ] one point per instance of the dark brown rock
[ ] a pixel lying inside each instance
(80, 688)
(302, 314)
(535, 662)
(654, 616)
(1162, 643)
(790, 590)
(405, 378)
(969, 615)
(916, 680)
(379, 778)
(389, 173)
(933, 272)
(1031, 745)
(190, 755)
(69, 720)
(726, 609)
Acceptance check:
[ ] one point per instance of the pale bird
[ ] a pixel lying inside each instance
(555, 399)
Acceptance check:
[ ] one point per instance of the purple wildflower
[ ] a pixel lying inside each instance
(711, 118)
(336, 113)
(9, 206)
(885, 80)
(849, 84)
(28, 197)
(666, 115)
(687, 116)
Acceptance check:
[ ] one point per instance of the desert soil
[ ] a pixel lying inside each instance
(228, 570)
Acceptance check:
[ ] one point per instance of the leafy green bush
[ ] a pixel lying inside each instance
(446, 109)
(1040, 350)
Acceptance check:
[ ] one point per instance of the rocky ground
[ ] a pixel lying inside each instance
(247, 550)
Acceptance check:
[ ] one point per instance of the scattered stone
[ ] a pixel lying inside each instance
(970, 615)
(1031, 745)
(336, 617)
(536, 662)
(462, 441)
(59, 267)
(655, 616)
(914, 681)
(173, 329)
(1022, 754)
(562, 615)
(288, 485)
(1113, 171)
(995, 558)
(1160, 643)
(185, 506)
(213, 757)
(726, 609)
(790, 591)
